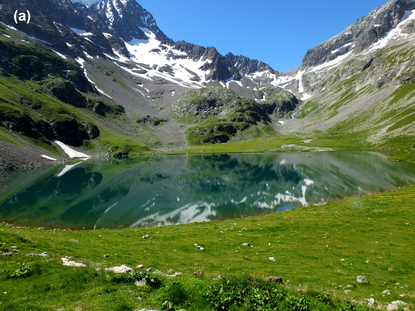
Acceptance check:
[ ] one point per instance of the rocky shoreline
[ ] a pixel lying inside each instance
(13, 157)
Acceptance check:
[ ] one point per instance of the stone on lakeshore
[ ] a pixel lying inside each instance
(392, 307)
(277, 279)
(199, 273)
(140, 283)
(371, 303)
(70, 263)
(120, 269)
(44, 254)
(362, 279)
(395, 305)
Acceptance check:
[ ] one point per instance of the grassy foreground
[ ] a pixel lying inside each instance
(319, 251)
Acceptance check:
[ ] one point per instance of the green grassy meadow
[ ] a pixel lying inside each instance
(319, 251)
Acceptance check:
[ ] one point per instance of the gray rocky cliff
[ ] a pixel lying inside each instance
(248, 66)
(361, 34)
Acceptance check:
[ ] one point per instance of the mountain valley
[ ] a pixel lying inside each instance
(106, 79)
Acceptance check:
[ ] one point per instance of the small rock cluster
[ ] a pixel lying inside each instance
(8, 253)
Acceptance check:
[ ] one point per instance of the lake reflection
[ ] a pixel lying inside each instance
(164, 190)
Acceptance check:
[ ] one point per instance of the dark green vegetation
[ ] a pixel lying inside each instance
(319, 251)
(221, 114)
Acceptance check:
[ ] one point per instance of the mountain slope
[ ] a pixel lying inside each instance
(110, 70)
(360, 83)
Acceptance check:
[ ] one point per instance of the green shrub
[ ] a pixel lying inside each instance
(22, 272)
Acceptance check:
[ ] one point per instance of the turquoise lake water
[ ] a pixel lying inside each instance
(167, 190)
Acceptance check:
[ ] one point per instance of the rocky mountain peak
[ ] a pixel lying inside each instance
(248, 66)
(126, 19)
(362, 34)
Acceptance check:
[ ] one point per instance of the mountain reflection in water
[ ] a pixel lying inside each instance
(165, 190)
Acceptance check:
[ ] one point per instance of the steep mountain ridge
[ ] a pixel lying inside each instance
(390, 24)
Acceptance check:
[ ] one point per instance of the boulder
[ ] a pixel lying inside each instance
(362, 280)
(277, 279)
(120, 269)
(396, 305)
(199, 273)
(371, 303)
(7, 254)
(70, 263)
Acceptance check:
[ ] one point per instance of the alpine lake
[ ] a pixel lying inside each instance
(167, 190)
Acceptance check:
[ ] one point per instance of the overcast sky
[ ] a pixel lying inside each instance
(277, 32)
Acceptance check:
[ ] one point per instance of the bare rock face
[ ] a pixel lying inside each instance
(247, 66)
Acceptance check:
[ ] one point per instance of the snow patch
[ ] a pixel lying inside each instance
(306, 96)
(395, 33)
(87, 55)
(333, 63)
(46, 157)
(61, 55)
(308, 182)
(182, 70)
(80, 32)
(80, 61)
(71, 152)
